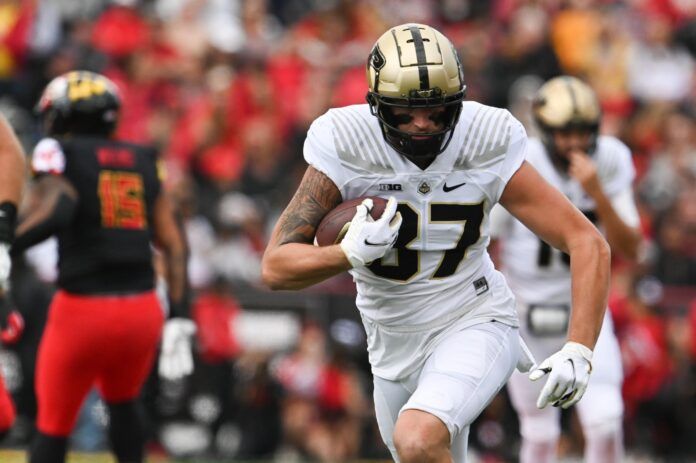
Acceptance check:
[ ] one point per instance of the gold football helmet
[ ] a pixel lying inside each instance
(566, 103)
(415, 66)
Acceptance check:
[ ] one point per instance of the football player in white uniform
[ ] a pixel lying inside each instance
(595, 173)
(440, 320)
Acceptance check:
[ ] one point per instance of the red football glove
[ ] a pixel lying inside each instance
(11, 328)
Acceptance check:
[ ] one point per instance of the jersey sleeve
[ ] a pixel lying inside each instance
(500, 222)
(320, 151)
(616, 174)
(48, 158)
(616, 170)
(515, 155)
(625, 207)
(495, 144)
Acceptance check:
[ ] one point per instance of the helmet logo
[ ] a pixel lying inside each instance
(83, 89)
(377, 59)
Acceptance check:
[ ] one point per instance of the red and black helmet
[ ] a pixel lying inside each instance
(79, 103)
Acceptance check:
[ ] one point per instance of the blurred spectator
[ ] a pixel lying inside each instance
(524, 50)
(264, 176)
(213, 21)
(214, 312)
(575, 31)
(658, 69)
(675, 236)
(120, 30)
(237, 253)
(673, 166)
(606, 68)
(642, 336)
(324, 400)
(199, 232)
(15, 34)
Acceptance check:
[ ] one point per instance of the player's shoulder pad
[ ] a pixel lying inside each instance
(488, 133)
(48, 157)
(357, 142)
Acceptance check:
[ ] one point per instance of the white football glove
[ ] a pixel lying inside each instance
(176, 359)
(366, 239)
(569, 373)
(5, 266)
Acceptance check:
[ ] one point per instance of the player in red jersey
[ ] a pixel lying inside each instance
(102, 199)
(11, 183)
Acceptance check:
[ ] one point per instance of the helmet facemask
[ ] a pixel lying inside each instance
(417, 145)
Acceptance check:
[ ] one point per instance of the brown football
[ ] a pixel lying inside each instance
(334, 225)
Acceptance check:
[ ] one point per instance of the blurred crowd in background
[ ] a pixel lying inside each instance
(226, 89)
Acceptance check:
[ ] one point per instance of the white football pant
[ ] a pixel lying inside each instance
(457, 381)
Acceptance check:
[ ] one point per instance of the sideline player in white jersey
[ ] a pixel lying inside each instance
(595, 173)
(440, 320)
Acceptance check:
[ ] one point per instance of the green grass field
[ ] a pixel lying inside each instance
(19, 456)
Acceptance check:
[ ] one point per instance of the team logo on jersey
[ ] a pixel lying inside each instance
(390, 187)
(424, 188)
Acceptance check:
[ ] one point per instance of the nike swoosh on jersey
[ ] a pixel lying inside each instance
(447, 189)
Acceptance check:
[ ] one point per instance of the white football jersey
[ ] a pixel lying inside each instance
(439, 271)
(536, 272)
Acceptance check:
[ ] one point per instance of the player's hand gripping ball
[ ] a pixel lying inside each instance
(365, 236)
(334, 225)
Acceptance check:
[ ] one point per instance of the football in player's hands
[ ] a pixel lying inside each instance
(334, 225)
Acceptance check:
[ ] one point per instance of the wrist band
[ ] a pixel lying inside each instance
(8, 221)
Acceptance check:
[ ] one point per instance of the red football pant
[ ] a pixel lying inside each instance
(7, 410)
(107, 341)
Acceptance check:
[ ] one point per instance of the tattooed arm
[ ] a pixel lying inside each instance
(291, 261)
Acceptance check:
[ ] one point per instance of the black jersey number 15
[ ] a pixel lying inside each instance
(121, 195)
